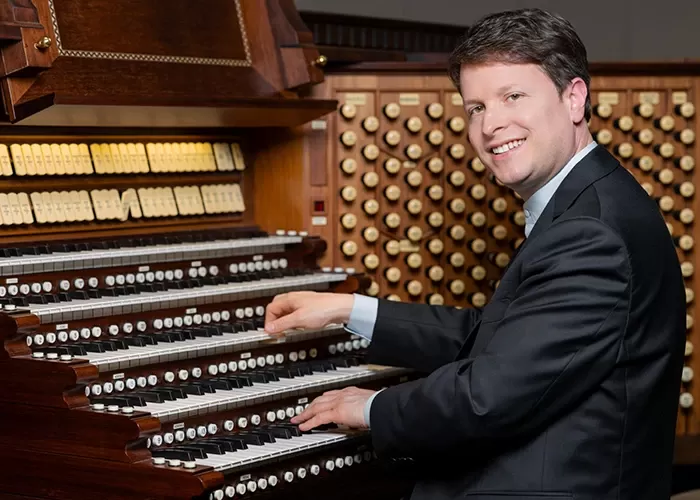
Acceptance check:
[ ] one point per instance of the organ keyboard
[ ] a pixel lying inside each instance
(138, 256)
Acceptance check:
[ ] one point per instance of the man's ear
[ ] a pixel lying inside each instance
(576, 97)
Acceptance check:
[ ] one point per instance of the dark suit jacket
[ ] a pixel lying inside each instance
(566, 384)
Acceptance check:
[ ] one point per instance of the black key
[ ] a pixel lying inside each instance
(227, 446)
(135, 341)
(118, 343)
(205, 385)
(94, 293)
(37, 299)
(92, 346)
(76, 350)
(187, 456)
(253, 439)
(238, 442)
(208, 447)
(79, 295)
(197, 390)
(151, 397)
(279, 432)
(195, 451)
(223, 384)
(233, 382)
(291, 428)
(270, 375)
(108, 346)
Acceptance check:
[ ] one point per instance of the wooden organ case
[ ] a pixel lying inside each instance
(135, 268)
(398, 194)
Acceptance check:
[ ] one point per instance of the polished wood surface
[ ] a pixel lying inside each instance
(121, 64)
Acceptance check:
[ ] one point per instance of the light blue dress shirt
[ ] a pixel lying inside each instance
(364, 310)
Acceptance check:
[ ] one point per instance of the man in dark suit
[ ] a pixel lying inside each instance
(566, 384)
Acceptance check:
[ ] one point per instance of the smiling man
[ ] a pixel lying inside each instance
(566, 384)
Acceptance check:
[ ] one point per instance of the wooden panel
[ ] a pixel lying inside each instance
(146, 28)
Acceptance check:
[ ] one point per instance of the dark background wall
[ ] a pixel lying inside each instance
(613, 30)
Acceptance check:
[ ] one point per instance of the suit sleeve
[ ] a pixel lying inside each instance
(419, 336)
(559, 338)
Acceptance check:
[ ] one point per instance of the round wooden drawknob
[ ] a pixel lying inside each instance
(392, 110)
(436, 247)
(604, 136)
(689, 322)
(688, 348)
(625, 123)
(478, 299)
(648, 187)
(625, 149)
(348, 193)
(666, 203)
(436, 165)
(685, 400)
(686, 189)
(435, 110)
(645, 110)
(686, 242)
(457, 259)
(664, 176)
(501, 259)
(499, 232)
(392, 166)
(477, 219)
(457, 287)
(519, 218)
(370, 124)
(348, 221)
(435, 192)
(686, 110)
(456, 124)
(414, 178)
(435, 137)
(370, 234)
(665, 150)
(348, 165)
(477, 246)
(414, 151)
(371, 207)
(604, 110)
(436, 273)
(457, 206)
(392, 192)
(457, 151)
(373, 289)
(645, 136)
(414, 288)
(392, 274)
(478, 273)
(457, 178)
(348, 111)
(435, 299)
(457, 232)
(371, 261)
(666, 123)
(414, 260)
(686, 216)
(435, 219)
(414, 233)
(645, 163)
(392, 247)
(414, 206)
(414, 124)
(499, 205)
(348, 138)
(370, 152)
(349, 248)
(687, 136)
(370, 179)
(392, 220)
(477, 191)
(393, 297)
(477, 165)
(687, 374)
(392, 137)
(686, 163)
(689, 295)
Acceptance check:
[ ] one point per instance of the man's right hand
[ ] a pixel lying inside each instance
(308, 310)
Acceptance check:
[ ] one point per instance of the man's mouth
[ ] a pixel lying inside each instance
(504, 148)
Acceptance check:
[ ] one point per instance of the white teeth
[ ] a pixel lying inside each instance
(508, 146)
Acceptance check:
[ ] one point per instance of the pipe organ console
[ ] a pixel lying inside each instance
(397, 192)
(140, 248)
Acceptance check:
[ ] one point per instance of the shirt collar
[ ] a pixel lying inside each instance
(536, 204)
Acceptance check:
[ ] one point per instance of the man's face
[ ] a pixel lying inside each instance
(518, 124)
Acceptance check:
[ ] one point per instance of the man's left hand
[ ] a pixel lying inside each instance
(343, 407)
